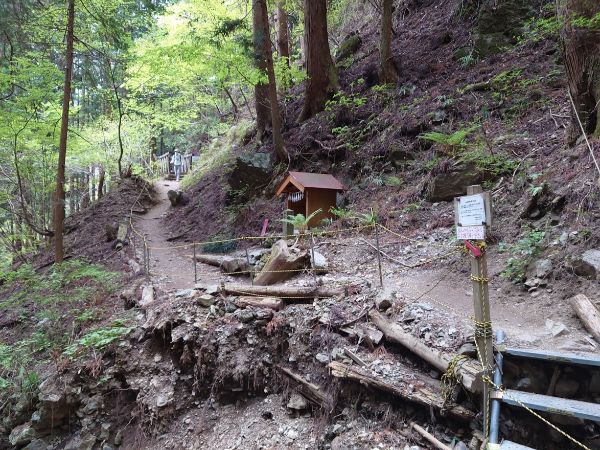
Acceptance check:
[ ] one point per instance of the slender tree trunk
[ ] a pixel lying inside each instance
(387, 69)
(278, 145)
(101, 182)
(582, 64)
(283, 39)
(234, 106)
(261, 49)
(322, 74)
(59, 197)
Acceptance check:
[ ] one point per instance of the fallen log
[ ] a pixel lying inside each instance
(228, 264)
(588, 314)
(282, 265)
(300, 292)
(468, 372)
(420, 395)
(258, 302)
(429, 437)
(311, 391)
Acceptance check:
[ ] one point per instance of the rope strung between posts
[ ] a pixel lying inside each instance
(584, 133)
(250, 238)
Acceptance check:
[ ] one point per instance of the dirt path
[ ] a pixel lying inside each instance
(519, 314)
(171, 265)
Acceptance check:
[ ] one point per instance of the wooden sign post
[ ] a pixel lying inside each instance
(473, 216)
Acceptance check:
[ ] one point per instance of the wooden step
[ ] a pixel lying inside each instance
(554, 405)
(586, 359)
(508, 445)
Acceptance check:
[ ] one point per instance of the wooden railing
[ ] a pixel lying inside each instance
(165, 167)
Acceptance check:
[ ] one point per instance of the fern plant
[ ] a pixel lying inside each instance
(299, 222)
(451, 143)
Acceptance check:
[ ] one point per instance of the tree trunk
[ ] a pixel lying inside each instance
(322, 75)
(278, 145)
(582, 64)
(59, 197)
(387, 69)
(283, 39)
(101, 182)
(261, 49)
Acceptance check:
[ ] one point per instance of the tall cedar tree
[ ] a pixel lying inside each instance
(387, 68)
(582, 63)
(261, 49)
(260, 10)
(283, 38)
(322, 75)
(59, 196)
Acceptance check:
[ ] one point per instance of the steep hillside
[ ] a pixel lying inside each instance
(481, 99)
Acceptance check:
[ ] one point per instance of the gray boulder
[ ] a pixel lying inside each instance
(446, 186)
(249, 173)
(499, 23)
(22, 434)
(588, 265)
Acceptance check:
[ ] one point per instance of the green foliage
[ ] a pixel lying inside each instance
(450, 143)
(392, 181)
(523, 252)
(542, 28)
(468, 60)
(491, 164)
(340, 99)
(590, 23)
(341, 213)
(299, 222)
(369, 218)
(98, 339)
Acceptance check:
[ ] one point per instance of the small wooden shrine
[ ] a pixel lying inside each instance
(308, 192)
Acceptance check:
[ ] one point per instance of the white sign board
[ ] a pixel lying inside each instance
(471, 211)
(470, 233)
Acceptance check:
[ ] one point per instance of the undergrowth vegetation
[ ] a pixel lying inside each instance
(61, 304)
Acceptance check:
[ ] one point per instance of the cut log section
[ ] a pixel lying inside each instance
(468, 372)
(422, 396)
(228, 264)
(260, 302)
(588, 314)
(282, 265)
(300, 292)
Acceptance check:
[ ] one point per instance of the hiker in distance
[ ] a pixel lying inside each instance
(176, 160)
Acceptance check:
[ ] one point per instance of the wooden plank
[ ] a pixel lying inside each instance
(553, 405)
(584, 359)
(588, 314)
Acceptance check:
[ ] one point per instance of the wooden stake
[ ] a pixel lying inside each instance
(250, 271)
(483, 325)
(312, 257)
(195, 265)
(378, 253)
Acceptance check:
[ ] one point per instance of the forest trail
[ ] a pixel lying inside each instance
(171, 269)
(171, 266)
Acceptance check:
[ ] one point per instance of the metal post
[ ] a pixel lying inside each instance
(495, 416)
(195, 265)
(483, 324)
(312, 257)
(249, 271)
(378, 253)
